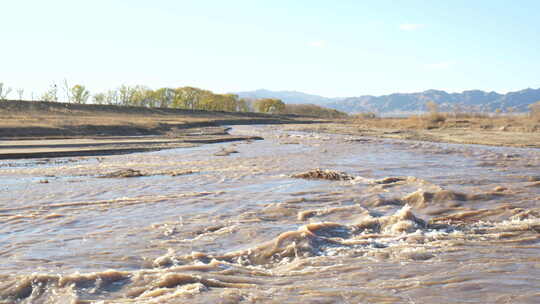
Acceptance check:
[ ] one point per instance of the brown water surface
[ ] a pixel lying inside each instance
(418, 223)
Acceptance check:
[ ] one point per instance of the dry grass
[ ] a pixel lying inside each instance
(474, 121)
(51, 119)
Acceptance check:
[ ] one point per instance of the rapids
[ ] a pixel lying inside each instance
(382, 221)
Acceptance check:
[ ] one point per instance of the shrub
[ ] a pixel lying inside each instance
(535, 110)
(367, 115)
(313, 111)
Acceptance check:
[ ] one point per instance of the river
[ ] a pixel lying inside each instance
(414, 222)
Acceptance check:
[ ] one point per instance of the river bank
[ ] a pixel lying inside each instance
(458, 135)
(112, 145)
(54, 120)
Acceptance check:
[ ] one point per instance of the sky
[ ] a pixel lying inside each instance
(330, 48)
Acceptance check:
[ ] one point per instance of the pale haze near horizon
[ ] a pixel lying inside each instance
(340, 48)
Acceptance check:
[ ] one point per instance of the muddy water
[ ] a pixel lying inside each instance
(418, 223)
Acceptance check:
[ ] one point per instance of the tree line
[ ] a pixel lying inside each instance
(142, 96)
(177, 98)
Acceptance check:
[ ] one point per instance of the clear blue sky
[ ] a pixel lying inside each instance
(331, 48)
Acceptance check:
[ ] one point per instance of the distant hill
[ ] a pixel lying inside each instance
(411, 102)
(291, 97)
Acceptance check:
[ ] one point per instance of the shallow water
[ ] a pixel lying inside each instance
(460, 224)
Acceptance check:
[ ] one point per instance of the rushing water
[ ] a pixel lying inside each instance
(459, 224)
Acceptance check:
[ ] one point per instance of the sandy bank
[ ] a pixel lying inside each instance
(450, 135)
(48, 148)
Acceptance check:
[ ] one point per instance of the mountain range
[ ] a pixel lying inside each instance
(406, 103)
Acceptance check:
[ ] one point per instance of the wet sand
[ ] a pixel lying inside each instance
(382, 221)
(52, 148)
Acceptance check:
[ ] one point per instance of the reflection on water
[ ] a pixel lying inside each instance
(419, 223)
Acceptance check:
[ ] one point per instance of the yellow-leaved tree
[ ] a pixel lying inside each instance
(269, 105)
(79, 94)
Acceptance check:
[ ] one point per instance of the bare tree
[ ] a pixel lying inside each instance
(51, 94)
(125, 95)
(67, 91)
(112, 97)
(99, 98)
(4, 91)
(20, 92)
